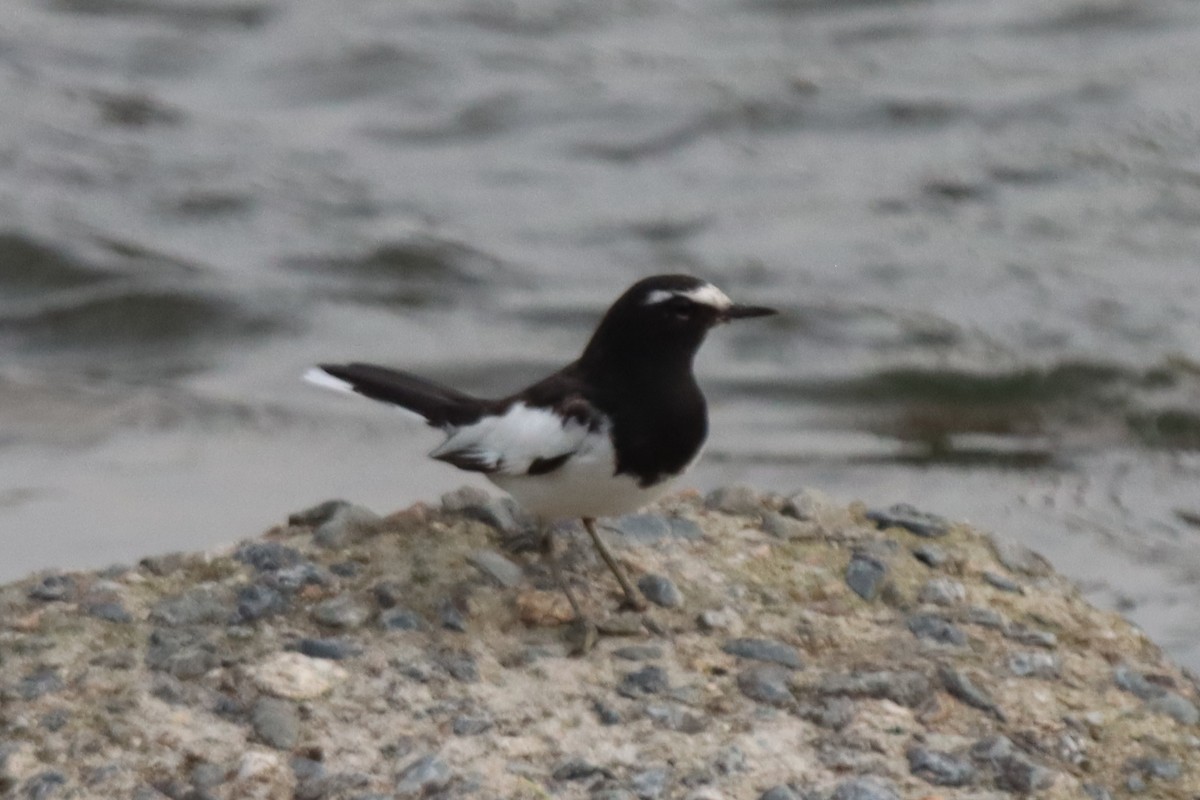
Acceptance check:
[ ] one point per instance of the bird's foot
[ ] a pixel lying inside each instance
(581, 636)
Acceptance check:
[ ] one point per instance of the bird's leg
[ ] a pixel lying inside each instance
(631, 596)
(582, 636)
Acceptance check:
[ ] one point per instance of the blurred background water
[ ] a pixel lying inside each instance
(981, 220)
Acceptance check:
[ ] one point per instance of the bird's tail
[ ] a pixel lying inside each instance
(437, 405)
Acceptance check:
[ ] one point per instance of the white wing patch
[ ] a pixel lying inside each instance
(705, 295)
(512, 442)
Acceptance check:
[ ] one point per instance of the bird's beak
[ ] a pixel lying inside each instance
(745, 312)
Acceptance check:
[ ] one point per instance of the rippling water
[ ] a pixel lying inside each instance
(980, 220)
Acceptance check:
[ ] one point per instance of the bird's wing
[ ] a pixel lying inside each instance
(437, 405)
(522, 439)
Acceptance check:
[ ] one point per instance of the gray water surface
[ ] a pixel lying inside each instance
(981, 221)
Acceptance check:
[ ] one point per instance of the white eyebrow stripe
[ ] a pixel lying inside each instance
(705, 295)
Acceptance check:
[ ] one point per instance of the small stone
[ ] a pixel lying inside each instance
(834, 713)
(787, 528)
(424, 776)
(40, 682)
(44, 785)
(1001, 582)
(389, 594)
(276, 722)
(606, 713)
(808, 505)
(766, 683)
(206, 775)
(768, 650)
(1157, 768)
(109, 612)
(639, 652)
(501, 570)
(1019, 558)
(942, 592)
(464, 725)
(930, 555)
(290, 580)
(866, 788)
(985, 617)
(331, 649)
(1026, 635)
(347, 525)
(182, 653)
(268, 556)
(401, 619)
(649, 784)
(257, 601)
(1035, 664)
(781, 792)
(718, 619)
(645, 681)
(462, 498)
(293, 676)
(652, 528)
(346, 569)
(940, 769)
(903, 515)
(342, 611)
(737, 498)
(1019, 773)
(865, 575)
(52, 588)
(962, 687)
(907, 688)
(660, 590)
(628, 624)
(316, 515)
(53, 721)
(1136, 683)
(578, 769)
(1095, 791)
(460, 665)
(1175, 706)
(198, 606)
(451, 616)
(934, 628)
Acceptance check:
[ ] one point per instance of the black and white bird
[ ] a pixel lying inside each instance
(603, 436)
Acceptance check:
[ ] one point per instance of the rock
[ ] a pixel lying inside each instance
(781, 792)
(346, 569)
(109, 612)
(276, 722)
(347, 525)
(1026, 635)
(53, 588)
(834, 713)
(766, 683)
(389, 594)
(930, 555)
(649, 784)
(938, 768)
(1019, 558)
(719, 619)
(737, 498)
(1175, 706)
(865, 575)
(808, 505)
(401, 619)
(768, 650)
(460, 665)
(465, 725)
(44, 785)
(639, 652)
(501, 513)
(495, 566)
(1161, 769)
(660, 590)
(293, 676)
(1019, 773)
(652, 528)
(867, 788)
(942, 592)
(788, 528)
(578, 769)
(463, 498)
(907, 688)
(986, 617)
(41, 682)
(422, 777)
(1136, 683)
(606, 713)
(198, 606)
(1035, 664)
(268, 556)
(1095, 791)
(902, 515)
(934, 628)
(645, 681)
(318, 514)
(451, 616)
(963, 688)
(342, 612)
(182, 653)
(332, 649)
(290, 580)
(257, 601)
(1001, 582)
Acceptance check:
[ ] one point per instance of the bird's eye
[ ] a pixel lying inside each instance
(680, 308)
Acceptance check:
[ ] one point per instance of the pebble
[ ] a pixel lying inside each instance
(347, 525)
(52, 588)
(649, 784)
(651, 528)
(460, 665)
(908, 688)
(294, 676)
(1019, 773)
(1026, 635)
(268, 556)
(109, 612)
(332, 649)
(401, 619)
(942, 592)
(781, 792)
(316, 515)
(903, 515)
(424, 776)
(1136, 683)
(866, 788)
(346, 569)
(42, 682)
(787, 528)
(501, 513)
(198, 606)
(1035, 664)
(504, 572)
(660, 590)
(1017, 557)
(1157, 768)
(834, 713)
(276, 722)
(342, 612)
(639, 652)
(462, 498)
(645, 681)
(808, 504)
(290, 580)
(1001, 582)
(768, 650)
(766, 683)
(44, 785)
(389, 594)
(963, 688)
(55, 720)
(865, 575)
(451, 616)
(934, 628)
(939, 768)
(465, 725)
(257, 601)
(606, 713)
(183, 653)
(737, 498)
(985, 617)
(930, 555)
(1095, 791)
(622, 625)
(578, 769)
(206, 775)
(1175, 706)
(718, 619)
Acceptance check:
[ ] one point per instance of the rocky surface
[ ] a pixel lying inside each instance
(794, 649)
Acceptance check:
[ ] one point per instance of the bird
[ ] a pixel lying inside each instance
(604, 436)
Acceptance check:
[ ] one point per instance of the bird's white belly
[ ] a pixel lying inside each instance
(584, 486)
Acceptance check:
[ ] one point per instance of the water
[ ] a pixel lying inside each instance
(980, 220)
